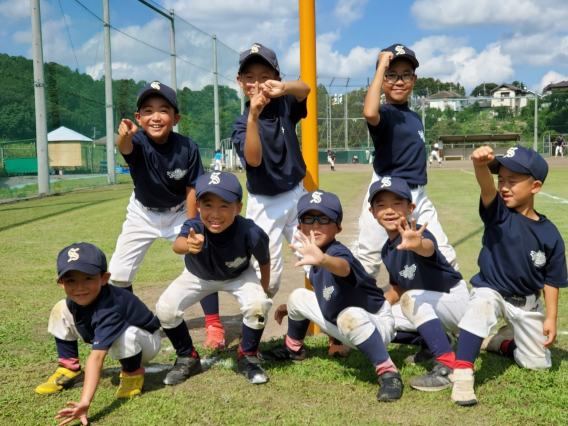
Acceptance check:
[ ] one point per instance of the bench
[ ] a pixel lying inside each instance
(453, 157)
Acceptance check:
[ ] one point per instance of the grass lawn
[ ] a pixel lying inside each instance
(320, 391)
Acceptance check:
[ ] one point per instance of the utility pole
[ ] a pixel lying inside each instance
(108, 97)
(345, 114)
(173, 55)
(216, 95)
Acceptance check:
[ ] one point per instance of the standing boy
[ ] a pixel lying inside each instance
(218, 246)
(346, 303)
(114, 321)
(523, 255)
(559, 146)
(435, 153)
(398, 137)
(331, 160)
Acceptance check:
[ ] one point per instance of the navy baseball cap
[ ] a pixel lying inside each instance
(322, 201)
(392, 184)
(159, 89)
(82, 257)
(225, 185)
(522, 160)
(265, 53)
(401, 51)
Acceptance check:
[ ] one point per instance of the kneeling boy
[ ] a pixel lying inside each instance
(345, 303)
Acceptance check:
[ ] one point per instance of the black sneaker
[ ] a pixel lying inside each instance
(436, 380)
(249, 366)
(183, 369)
(283, 353)
(424, 355)
(390, 388)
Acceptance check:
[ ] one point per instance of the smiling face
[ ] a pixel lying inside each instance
(256, 70)
(216, 213)
(517, 189)
(324, 234)
(83, 288)
(157, 117)
(388, 209)
(397, 93)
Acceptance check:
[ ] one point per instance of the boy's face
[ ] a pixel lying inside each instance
(83, 288)
(517, 189)
(157, 117)
(216, 213)
(324, 234)
(397, 93)
(256, 72)
(389, 208)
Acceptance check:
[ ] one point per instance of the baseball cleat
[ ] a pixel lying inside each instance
(63, 378)
(183, 369)
(493, 343)
(424, 354)
(249, 366)
(462, 391)
(435, 380)
(283, 353)
(130, 385)
(215, 337)
(390, 387)
(337, 348)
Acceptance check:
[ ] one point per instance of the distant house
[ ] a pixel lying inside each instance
(556, 87)
(65, 147)
(510, 96)
(444, 99)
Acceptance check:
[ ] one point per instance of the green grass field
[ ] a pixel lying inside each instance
(320, 391)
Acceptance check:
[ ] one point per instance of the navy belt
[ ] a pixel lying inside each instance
(412, 186)
(520, 301)
(175, 209)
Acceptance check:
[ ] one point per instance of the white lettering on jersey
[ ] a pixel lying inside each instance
(408, 272)
(215, 179)
(316, 197)
(421, 134)
(177, 174)
(539, 258)
(386, 182)
(327, 292)
(73, 255)
(237, 262)
(282, 130)
(511, 152)
(399, 50)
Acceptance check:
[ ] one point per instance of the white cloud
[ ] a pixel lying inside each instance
(548, 78)
(347, 11)
(536, 49)
(20, 9)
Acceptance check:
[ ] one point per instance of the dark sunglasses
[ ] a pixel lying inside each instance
(309, 219)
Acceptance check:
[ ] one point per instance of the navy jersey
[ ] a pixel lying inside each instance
(334, 293)
(559, 141)
(112, 312)
(161, 173)
(519, 255)
(399, 144)
(282, 166)
(410, 271)
(226, 255)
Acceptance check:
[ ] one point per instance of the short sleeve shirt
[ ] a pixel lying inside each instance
(282, 166)
(519, 255)
(335, 293)
(162, 172)
(226, 255)
(410, 271)
(399, 144)
(112, 312)
(560, 141)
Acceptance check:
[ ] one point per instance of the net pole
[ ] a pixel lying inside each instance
(173, 57)
(216, 95)
(108, 97)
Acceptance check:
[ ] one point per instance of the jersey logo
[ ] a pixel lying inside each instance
(539, 258)
(254, 48)
(316, 197)
(282, 130)
(421, 134)
(511, 152)
(155, 85)
(73, 255)
(215, 178)
(386, 182)
(327, 292)
(237, 262)
(399, 50)
(408, 272)
(177, 174)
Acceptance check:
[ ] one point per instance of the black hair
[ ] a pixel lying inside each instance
(257, 60)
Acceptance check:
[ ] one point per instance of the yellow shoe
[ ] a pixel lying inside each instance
(61, 379)
(130, 385)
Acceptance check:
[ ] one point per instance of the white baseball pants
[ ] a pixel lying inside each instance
(434, 154)
(130, 343)
(354, 325)
(188, 289)
(373, 236)
(218, 165)
(559, 150)
(486, 305)
(330, 161)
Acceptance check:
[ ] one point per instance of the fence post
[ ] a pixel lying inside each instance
(108, 97)
(346, 113)
(535, 144)
(216, 95)
(40, 107)
(173, 56)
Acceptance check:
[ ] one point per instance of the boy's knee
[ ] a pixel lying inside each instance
(296, 300)
(349, 320)
(168, 314)
(121, 284)
(60, 322)
(407, 305)
(255, 314)
(533, 363)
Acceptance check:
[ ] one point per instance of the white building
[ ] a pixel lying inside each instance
(446, 99)
(510, 96)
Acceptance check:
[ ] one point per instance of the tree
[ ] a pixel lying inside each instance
(483, 89)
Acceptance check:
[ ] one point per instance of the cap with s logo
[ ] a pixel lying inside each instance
(265, 53)
(82, 257)
(401, 51)
(392, 184)
(157, 88)
(522, 160)
(225, 185)
(322, 201)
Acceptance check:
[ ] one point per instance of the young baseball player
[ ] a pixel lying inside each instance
(330, 160)
(433, 296)
(523, 256)
(346, 302)
(559, 146)
(398, 137)
(218, 246)
(435, 153)
(114, 321)
(218, 160)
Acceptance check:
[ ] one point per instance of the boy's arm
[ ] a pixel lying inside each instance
(126, 130)
(551, 303)
(413, 240)
(373, 98)
(312, 255)
(190, 201)
(80, 409)
(280, 313)
(253, 145)
(394, 294)
(481, 157)
(275, 89)
(265, 277)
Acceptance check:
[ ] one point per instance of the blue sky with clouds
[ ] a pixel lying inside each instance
(458, 41)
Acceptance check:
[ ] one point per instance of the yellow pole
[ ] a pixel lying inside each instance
(310, 123)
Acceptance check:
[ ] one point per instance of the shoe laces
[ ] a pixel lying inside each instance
(129, 382)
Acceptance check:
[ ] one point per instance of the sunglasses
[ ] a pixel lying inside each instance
(309, 219)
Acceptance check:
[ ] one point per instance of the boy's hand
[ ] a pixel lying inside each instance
(273, 88)
(258, 101)
(312, 255)
(483, 155)
(411, 238)
(79, 411)
(384, 60)
(194, 242)
(549, 329)
(127, 128)
(280, 313)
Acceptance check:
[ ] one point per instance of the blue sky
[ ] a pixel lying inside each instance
(466, 42)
